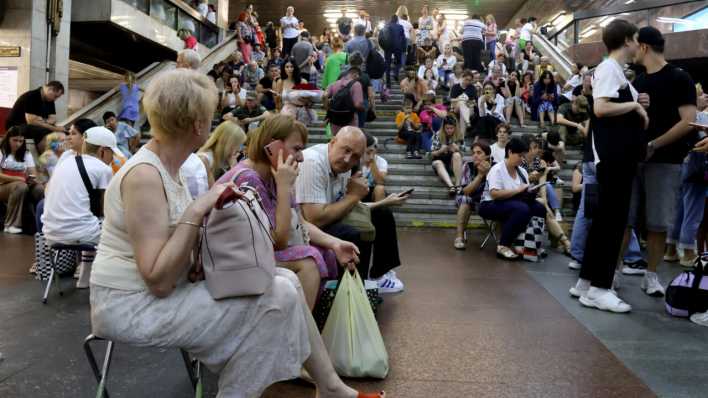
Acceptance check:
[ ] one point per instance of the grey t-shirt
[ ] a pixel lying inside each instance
(301, 51)
(360, 44)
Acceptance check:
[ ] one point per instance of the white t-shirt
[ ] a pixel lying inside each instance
(499, 178)
(407, 27)
(422, 69)
(381, 164)
(500, 64)
(67, 214)
(451, 61)
(497, 111)
(290, 27)
(10, 163)
(498, 154)
(608, 79)
(526, 32)
(574, 82)
(195, 174)
(203, 9)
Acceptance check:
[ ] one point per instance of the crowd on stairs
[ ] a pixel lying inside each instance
(342, 136)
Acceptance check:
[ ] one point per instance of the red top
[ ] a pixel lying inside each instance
(190, 42)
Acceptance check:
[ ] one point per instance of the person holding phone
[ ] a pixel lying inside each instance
(275, 151)
(507, 198)
(18, 178)
(474, 178)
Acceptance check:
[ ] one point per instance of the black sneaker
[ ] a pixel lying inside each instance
(637, 268)
(416, 155)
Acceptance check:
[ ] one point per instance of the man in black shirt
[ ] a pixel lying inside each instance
(463, 97)
(265, 87)
(669, 96)
(35, 109)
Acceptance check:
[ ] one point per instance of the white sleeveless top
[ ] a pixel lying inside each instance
(115, 265)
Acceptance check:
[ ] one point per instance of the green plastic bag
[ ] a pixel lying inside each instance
(328, 131)
(351, 334)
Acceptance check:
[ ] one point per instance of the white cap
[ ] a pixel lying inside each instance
(430, 92)
(101, 136)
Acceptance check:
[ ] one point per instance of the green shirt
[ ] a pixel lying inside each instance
(333, 68)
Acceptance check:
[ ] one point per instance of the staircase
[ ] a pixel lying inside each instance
(429, 205)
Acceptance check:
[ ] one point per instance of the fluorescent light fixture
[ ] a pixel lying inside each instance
(678, 21)
(629, 1)
(588, 33)
(607, 21)
(382, 24)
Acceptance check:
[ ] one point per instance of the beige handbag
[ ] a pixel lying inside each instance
(237, 246)
(298, 234)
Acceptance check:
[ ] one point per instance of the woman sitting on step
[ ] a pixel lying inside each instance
(447, 154)
(474, 178)
(139, 289)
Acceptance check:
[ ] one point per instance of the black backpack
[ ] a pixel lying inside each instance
(385, 37)
(341, 107)
(375, 63)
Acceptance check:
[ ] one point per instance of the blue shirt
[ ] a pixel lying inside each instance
(130, 98)
(123, 134)
(359, 44)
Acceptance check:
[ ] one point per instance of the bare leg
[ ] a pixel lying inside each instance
(520, 113)
(507, 112)
(379, 192)
(309, 276)
(442, 172)
(656, 244)
(457, 167)
(463, 217)
(542, 119)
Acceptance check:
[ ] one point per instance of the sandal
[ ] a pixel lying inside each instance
(452, 191)
(505, 253)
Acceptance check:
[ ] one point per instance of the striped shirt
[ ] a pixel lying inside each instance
(317, 183)
(472, 30)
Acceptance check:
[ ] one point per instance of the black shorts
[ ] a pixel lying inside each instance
(447, 161)
(36, 133)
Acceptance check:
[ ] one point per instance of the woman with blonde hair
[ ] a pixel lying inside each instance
(49, 159)
(300, 246)
(221, 150)
(490, 36)
(139, 289)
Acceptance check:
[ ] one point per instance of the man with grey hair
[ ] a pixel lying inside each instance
(359, 43)
(330, 185)
(188, 59)
(302, 50)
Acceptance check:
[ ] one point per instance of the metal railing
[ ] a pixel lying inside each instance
(111, 100)
(572, 32)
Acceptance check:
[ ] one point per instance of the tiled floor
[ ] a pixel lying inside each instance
(468, 325)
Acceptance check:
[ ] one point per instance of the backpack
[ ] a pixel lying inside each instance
(688, 292)
(341, 107)
(385, 37)
(374, 63)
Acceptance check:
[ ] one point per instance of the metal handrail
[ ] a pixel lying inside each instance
(144, 74)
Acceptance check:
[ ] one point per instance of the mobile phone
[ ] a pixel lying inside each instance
(273, 149)
(535, 187)
(406, 192)
(699, 125)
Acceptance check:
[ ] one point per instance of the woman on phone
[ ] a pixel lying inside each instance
(447, 154)
(274, 153)
(474, 178)
(17, 178)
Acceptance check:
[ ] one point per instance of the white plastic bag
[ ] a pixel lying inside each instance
(351, 334)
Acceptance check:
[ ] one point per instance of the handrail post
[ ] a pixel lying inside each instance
(576, 32)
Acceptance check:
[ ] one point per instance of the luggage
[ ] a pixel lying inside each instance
(688, 292)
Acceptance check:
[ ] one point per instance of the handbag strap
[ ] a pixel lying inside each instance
(94, 199)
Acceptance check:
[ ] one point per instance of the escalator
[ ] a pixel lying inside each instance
(111, 101)
(559, 60)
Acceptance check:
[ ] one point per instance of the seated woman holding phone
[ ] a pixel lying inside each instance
(509, 199)
(139, 289)
(474, 179)
(274, 152)
(18, 178)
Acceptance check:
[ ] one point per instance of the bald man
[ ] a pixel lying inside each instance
(327, 192)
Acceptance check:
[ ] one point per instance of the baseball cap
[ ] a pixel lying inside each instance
(651, 36)
(101, 136)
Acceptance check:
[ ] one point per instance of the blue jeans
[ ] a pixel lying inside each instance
(581, 226)
(552, 197)
(492, 48)
(398, 54)
(514, 214)
(689, 213)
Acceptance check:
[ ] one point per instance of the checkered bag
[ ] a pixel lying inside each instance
(43, 254)
(529, 243)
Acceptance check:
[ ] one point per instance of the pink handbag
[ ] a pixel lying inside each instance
(237, 247)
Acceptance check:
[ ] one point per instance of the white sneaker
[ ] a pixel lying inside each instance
(389, 285)
(580, 289)
(651, 285)
(700, 318)
(559, 216)
(13, 230)
(459, 244)
(605, 300)
(574, 265)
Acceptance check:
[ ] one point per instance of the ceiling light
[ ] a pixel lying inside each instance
(629, 1)
(607, 21)
(676, 21)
